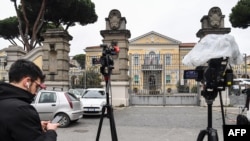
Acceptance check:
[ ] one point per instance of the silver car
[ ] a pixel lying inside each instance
(49, 104)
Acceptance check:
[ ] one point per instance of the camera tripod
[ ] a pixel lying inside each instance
(211, 132)
(108, 109)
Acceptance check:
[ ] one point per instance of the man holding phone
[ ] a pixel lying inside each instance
(19, 121)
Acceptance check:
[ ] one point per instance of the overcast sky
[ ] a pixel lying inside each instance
(177, 19)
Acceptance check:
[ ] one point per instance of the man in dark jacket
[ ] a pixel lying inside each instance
(19, 121)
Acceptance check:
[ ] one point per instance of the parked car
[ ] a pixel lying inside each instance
(49, 104)
(247, 81)
(242, 81)
(93, 100)
(239, 85)
(77, 92)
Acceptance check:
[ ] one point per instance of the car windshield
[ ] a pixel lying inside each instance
(81, 91)
(78, 92)
(94, 94)
(74, 91)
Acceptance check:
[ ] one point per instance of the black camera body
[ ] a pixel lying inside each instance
(106, 60)
(215, 76)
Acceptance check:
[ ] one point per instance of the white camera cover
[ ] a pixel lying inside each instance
(214, 46)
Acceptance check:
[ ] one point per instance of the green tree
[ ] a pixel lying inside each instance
(93, 79)
(80, 58)
(9, 30)
(34, 17)
(240, 15)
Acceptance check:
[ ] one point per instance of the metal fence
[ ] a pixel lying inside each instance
(158, 74)
(155, 79)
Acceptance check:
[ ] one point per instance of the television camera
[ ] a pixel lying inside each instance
(106, 60)
(215, 76)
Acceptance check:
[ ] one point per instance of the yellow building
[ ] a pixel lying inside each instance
(154, 63)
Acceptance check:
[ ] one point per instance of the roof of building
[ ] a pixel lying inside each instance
(187, 44)
(157, 34)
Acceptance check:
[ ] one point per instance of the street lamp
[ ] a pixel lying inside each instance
(245, 64)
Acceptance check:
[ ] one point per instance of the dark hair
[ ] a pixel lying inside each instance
(25, 68)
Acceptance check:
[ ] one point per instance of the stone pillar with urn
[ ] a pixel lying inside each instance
(117, 33)
(213, 23)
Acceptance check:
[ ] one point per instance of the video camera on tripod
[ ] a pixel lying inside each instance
(215, 76)
(107, 65)
(218, 52)
(106, 60)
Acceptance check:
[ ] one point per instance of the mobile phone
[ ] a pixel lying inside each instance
(56, 119)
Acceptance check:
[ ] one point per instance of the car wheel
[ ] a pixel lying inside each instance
(65, 121)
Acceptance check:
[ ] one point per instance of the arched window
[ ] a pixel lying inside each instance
(151, 59)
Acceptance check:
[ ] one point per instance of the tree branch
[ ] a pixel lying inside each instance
(12, 42)
(26, 26)
(20, 24)
(38, 23)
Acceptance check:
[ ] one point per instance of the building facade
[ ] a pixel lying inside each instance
(155, 65)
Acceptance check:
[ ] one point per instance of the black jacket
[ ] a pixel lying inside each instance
(19, 121)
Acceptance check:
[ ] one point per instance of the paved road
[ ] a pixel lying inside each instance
(149, 124)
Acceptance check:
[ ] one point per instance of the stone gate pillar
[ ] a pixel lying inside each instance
(56, 59)
(116, 32)
(213, 23)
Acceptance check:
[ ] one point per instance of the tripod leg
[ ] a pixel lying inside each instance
(222, 109)
(210, 132)
(212, 135)
(202, 135)
(112, 125)
(100, 124)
